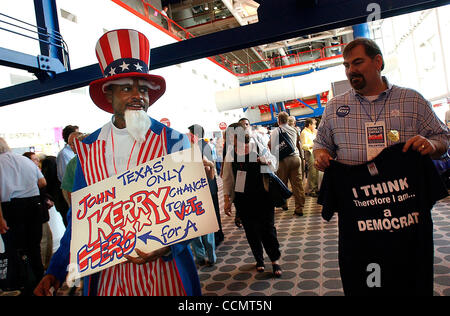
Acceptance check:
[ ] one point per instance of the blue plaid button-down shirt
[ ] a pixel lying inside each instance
(342, 128)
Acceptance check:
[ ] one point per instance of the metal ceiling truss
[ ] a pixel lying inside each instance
(278, 20)
(54, 55)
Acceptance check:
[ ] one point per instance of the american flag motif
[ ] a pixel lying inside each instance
(92, 159)
(154, 146)
(157, 278)
(121, 54)
(123, 51)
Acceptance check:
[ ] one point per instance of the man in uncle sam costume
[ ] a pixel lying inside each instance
(128, 140)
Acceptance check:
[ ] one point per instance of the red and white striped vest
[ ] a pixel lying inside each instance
(157, 278)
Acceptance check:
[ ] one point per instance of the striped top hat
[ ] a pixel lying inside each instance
(124, 54)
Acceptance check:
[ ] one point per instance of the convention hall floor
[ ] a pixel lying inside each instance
(309, 247)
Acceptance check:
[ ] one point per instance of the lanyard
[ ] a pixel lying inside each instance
(377, 116)
(114, 154)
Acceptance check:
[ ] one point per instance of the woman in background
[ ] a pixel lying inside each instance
(243, 185)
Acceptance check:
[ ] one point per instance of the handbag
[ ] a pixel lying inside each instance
(276, 188)
(285, 146)
(3, 264)
(16, 272)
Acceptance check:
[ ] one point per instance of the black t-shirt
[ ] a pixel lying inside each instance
(385, 226)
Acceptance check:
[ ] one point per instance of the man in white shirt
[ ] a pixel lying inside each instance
(21, 218)
(290, 167)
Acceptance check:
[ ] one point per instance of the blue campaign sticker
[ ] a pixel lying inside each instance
(343, 111)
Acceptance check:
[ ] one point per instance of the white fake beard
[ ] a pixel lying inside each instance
(137, 123)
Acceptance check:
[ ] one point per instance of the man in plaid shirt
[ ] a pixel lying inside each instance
(357, 121)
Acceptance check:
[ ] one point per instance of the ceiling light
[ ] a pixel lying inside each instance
(206, 7)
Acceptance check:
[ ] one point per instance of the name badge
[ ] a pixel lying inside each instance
(239, 186)
(375, 138)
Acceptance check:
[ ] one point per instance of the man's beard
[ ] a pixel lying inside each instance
(359, 84)
(137, 124)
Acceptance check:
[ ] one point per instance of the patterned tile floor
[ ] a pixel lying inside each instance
(309, 247)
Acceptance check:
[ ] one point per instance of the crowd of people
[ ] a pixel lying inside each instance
(246, 153)
(231, 155)
(36, 192)
(33, 213)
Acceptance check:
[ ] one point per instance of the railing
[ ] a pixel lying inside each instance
(170, 25)
(291, 60)
(37, 33)
(208, 17)
(251, 68)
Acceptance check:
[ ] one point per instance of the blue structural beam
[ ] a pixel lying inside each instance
(48, 26)
(52, 58)
(278, 20)
(14, 59)
(61, 82)
(361, 30)
(42, 66)
(316, 111)
(281, 77)
(305, 104)
(319, 102)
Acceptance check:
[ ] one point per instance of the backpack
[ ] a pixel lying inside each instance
(285, 147)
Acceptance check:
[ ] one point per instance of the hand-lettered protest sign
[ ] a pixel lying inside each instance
(156, 204)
